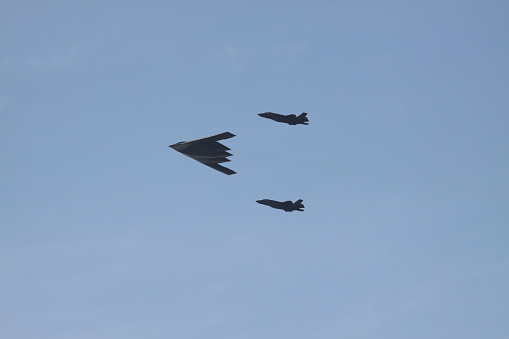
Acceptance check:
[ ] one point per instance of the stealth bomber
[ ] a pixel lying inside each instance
(286, 206)
(208, 151)
(290, 119)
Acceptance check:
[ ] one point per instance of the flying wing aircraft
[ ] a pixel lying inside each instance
(286, 206)
(290, 119)
(208, 151)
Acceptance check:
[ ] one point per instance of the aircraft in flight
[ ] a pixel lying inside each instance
(287, 206)
(290, 119)
(208, 151)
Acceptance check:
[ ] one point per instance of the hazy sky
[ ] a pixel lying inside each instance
(404, 170)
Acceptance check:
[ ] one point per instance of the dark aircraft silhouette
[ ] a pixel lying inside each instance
(290, 119)
(207, 151)
(287, 206)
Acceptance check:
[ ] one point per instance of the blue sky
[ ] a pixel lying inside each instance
(108, 233)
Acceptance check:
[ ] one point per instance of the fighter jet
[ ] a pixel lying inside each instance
(290, 119)
(287, 206)
(208, 151)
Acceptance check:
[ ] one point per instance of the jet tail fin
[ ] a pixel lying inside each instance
(298, 203)
(302, 117)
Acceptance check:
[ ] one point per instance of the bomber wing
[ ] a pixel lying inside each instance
(220, 136)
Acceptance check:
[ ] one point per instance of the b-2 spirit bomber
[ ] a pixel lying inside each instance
(208, 151)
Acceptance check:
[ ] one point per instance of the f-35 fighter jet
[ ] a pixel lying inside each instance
(287, 206)
(290, 119)
(208, 151)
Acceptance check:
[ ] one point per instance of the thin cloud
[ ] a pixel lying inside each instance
(5, 65)
(58, 60)
(231, 55)
(218, 286)
(3, 103)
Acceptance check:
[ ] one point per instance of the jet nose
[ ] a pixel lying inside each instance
(259, 201)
